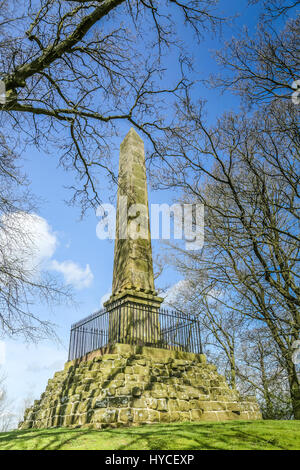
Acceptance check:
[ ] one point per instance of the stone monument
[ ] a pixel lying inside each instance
(133, 281)
(135, 379)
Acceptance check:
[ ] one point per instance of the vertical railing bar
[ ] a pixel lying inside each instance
(135, 323)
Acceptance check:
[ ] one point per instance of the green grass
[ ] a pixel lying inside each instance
(258, 435)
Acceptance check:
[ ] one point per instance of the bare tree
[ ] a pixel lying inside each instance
(245, 169)
(73, 70)
(251, 233)
(261, 68)
(243, 352)
(221, 328)
(7, 417)
(21, 282)
(260, 370)
(273, 9)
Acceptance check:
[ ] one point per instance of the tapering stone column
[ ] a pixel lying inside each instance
(133, 304)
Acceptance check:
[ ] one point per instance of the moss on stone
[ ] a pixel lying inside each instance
(154, 386)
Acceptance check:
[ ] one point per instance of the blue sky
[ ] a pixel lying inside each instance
(28, 367)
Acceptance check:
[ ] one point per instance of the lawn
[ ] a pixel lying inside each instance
(258, 435)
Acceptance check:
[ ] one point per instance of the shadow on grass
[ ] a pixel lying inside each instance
(183, 436)
(44, 439)
(208, 436)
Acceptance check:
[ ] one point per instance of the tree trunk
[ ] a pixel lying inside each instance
(232, 369)
(264, 380)
(294, 388)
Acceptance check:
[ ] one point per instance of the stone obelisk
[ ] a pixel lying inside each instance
(133, 305)
(91, 391)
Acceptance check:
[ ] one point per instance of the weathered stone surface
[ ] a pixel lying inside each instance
(116, 404)
(140, 416)
(133, 281)
(133, 258)
(126, 416)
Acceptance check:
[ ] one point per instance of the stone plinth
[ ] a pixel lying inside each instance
(134, 318)
(133, 385)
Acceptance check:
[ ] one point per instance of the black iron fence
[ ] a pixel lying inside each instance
(134, 323)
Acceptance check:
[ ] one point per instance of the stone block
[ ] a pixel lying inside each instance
(136, 379)
(124, 349)
(151, 403)
(68, 420)
(179, 362)
(119, 402)
(153, 416)
(191, 392)
(126, 416)
(162, 404)
(100, 403)
(209, 416)
(182, 395)
(184, 416)
(124, 391)
(68, 409)
(140, 415)
(119, 364)
(120, 377)
(174, 416)
(83, 419)
(104, 416)
(173, 404)
(141, 361)
(164, 417)
(140, 370)
(196, 415)
(227, 415)
(172, 392)
(233, 406)
(136, 391)
(110, 391)
(162, 393)
(183, 405)
(140, 403)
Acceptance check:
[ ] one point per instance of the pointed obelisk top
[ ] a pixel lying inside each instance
(132, 132)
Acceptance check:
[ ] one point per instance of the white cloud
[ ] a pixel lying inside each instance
(176, 292)
(36, 367)
(104, 298)
(27, 240)
(182, 291)
(73, 273)
(28, 368)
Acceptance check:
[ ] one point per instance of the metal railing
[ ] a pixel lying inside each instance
(134, 323)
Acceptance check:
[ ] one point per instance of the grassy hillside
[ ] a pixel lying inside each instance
(179, 436)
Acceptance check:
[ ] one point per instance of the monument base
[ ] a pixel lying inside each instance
(132, 385)
(134, 318)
